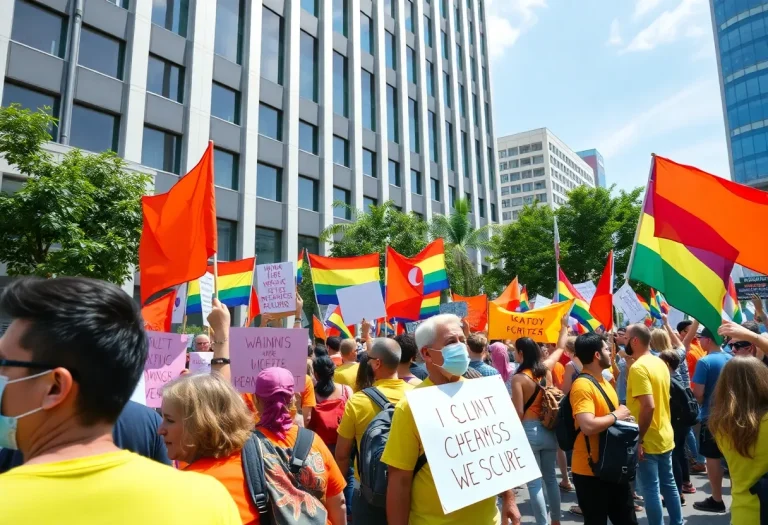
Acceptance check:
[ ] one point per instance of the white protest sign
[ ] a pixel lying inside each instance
(139, 393)
(458, 308)
(587, 290)
(541, 301)
(277, 287)
(206, 295)
(254, 349)
(362, 301)
(675, 316)
(180, 305)
(473, 439)
(200, 362)
(625, 299)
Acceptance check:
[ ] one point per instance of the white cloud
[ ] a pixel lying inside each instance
(670, 25)
(643, 7)
(614, 38)
(508, 20)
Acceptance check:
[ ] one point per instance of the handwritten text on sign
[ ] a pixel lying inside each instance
(200, 362)
(277, 287)
(540, 324)
(254, 349)
(473, 439)
(165, 361)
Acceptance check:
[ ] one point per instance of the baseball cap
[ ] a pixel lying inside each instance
(705, 332)
(275, 380)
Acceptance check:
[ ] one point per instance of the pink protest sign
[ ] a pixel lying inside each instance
(254, 349)
(165, 361)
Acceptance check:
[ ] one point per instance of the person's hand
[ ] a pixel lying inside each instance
(757, 302)
(219, 319)
(664, 318)
(465, 326)
(365, 327)
(509, 511)
(640, 453)
(564, 322)
(622, 413)
(736, 331)
(299, 304)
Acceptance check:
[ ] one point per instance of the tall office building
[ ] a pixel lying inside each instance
(740, 28)
(595, 161)
(307, 101)
(536, 166)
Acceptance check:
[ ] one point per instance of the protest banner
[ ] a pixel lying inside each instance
(200, 362)
(165, 361)
(458, 308)
(541, 301)
(473, 439)
(625, 299)
(362, 301)
(206, 295)
(749, 286)
(542, 324)
(675, 316)
(276, 287)
(254, 349)
(587, 289)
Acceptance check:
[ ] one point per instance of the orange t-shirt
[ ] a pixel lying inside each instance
(558, 375)
(336, 358)
(535, 407)
(695, 352)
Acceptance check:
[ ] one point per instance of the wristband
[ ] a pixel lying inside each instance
(615, 418)
(220, 361)
(219, 342)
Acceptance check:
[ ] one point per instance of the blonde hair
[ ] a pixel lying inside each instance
(660, 340)
(216, 421)
(740, 403)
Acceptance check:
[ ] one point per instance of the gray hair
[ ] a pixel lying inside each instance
(388, 351)
(427, 331)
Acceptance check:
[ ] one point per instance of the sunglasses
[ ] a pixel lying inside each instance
(741, 345)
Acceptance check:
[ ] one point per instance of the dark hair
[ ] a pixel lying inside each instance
(324, 368)
(476, 343)
(364, 377)
(92, 328)
(408, 348)
(586, 345)
(531, 357)
(682, 325)
(334, 343)
(671, 358)
(320, 351)
(752, 326)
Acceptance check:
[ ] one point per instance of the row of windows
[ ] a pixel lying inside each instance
(725, 10)
(569, 163)
(522, 188)
(520, 150)
(749, 30)
(746, 113)
(525, 174)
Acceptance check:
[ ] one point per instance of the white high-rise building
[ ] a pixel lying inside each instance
(536, 166)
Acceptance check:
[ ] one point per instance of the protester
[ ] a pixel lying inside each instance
(70, 360)
(202, 343)
(668, 339)
(408, 352)
(413, 499)
(364, 377)
(500, 360)
(598, 500)
(687, 330)
(739, 421)
(622, 363)
(648, 400)
(527, 397)
(478, 345)
(333, 344)
(703, 384)
(745, 339)
(346, 371)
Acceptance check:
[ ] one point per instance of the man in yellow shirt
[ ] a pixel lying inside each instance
(413, 499)
(598, 500)
(648, 400)
(69, 362)
(346, 373)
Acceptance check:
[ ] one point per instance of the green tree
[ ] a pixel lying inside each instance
(80, 216)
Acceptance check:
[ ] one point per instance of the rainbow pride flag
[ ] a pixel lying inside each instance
(643, 302)
(430, 305)
(663, 304)
(234, 285)
(525, 305)
(655, 307)
(336, 321)
(580, 312)
(300, 267)
(330, 274)
(731, 304)
(431, 260)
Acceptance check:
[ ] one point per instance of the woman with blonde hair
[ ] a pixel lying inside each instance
(739, 422)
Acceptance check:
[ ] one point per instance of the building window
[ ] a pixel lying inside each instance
(473, 67)
(436, 190)
(452, 196)
(308, 66)
(269, 182)
(432, 125)
(226, 168)
(367, 203)
(229, 29)
(225, 103)
(101, 53)
(369, 163)
(393, 120)
(465, 152)
(94, 130)
(413, 125)
(271, 46)
(226, 233)
(411, 64)
(506, 216)
(449, 146)
(481, 205)
(443, 8)
(341, 195)
(458, 18)
(307, 137)
(32, 100)
(170, 14)
(340, 22)
(539, 185)
(416, 183)
(309, 244)
(369, 100)
(494, 218)
(430, 79)
(462, 101)
(161, 150)
(165, 79)
(391, 50)
(475, 109)
(389, 8)
(468, 198)
(310, 6)
(40, 28)
(427, 31)
(340, 151)
(270, 122)
(269, 246)
(340, 85)
(527, 186)
(479, 162)
(447, 90)
(445, 45)
(471, 30)
(394, 173)
(459, 58)
(491, 169)
(366, 34)
(308, 194)
(409, 15)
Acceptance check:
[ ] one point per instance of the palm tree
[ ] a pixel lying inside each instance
(459, 236)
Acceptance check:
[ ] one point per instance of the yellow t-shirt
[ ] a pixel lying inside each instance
(360, 410)
(116, 488)
(346, 374)
(745, 507)
(586, 398)
(650, 375)
(403, 450)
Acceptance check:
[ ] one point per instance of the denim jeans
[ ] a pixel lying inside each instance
(350, 478)
(655, 479)
(692, 442)
(544, 446)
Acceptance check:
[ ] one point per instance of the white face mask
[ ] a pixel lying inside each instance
(8, 424)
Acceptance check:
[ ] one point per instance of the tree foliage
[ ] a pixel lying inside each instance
(80, 216)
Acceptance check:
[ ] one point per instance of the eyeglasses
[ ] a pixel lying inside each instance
(32, 364)
(741, 345)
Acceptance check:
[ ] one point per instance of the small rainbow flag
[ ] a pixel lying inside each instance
(300, 267)
(580, 312)
(643, 302)
(336, 321)
(731, 304)
(663, 304)
(430, 305)
(329, 274)
(655, 307)
(234, 285)
(524, 303)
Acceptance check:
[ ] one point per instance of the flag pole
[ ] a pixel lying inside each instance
(216, 275)
(640, 219)
(314, 291)
(557, 257)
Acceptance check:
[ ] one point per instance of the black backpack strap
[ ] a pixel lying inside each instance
(377, 397)
(597, 385)
(253, 469)
(531, 399)
(301, 449)
(419, 464)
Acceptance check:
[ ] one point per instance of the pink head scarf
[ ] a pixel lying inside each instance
(274, 387)
(500, 360)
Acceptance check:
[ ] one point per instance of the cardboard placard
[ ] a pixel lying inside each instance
(180, 305)
(206, 296)
(541, 302)
(587, 290)
(165, 361)
(675, 316)
(459, 308)
(473, 439)
(542, 324)
(625, 299)
(362, 301)
(277, 287)
(200, 362)
(254, 349)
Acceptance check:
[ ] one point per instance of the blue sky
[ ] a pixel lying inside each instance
(628, 77)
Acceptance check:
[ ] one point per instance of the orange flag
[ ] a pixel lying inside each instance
(510, 297)
(317, 328)
(253, 307)
(405, 287)
(477, 310)
(601, 306)
(157, 315)
(179, 233)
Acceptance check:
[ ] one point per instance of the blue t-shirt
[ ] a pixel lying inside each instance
(707, 371)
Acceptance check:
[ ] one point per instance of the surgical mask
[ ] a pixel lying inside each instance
(8, 424)
(455, 359)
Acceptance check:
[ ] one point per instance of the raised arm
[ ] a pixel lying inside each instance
(736, 331)
(555, 356)
(219, 320)
(676, 342)
(690, 335)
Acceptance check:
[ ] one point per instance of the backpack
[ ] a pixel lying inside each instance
(326, 417)
(373, 473)
(550, 404)
(565, 430)
(683, 405)
(271, 473)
